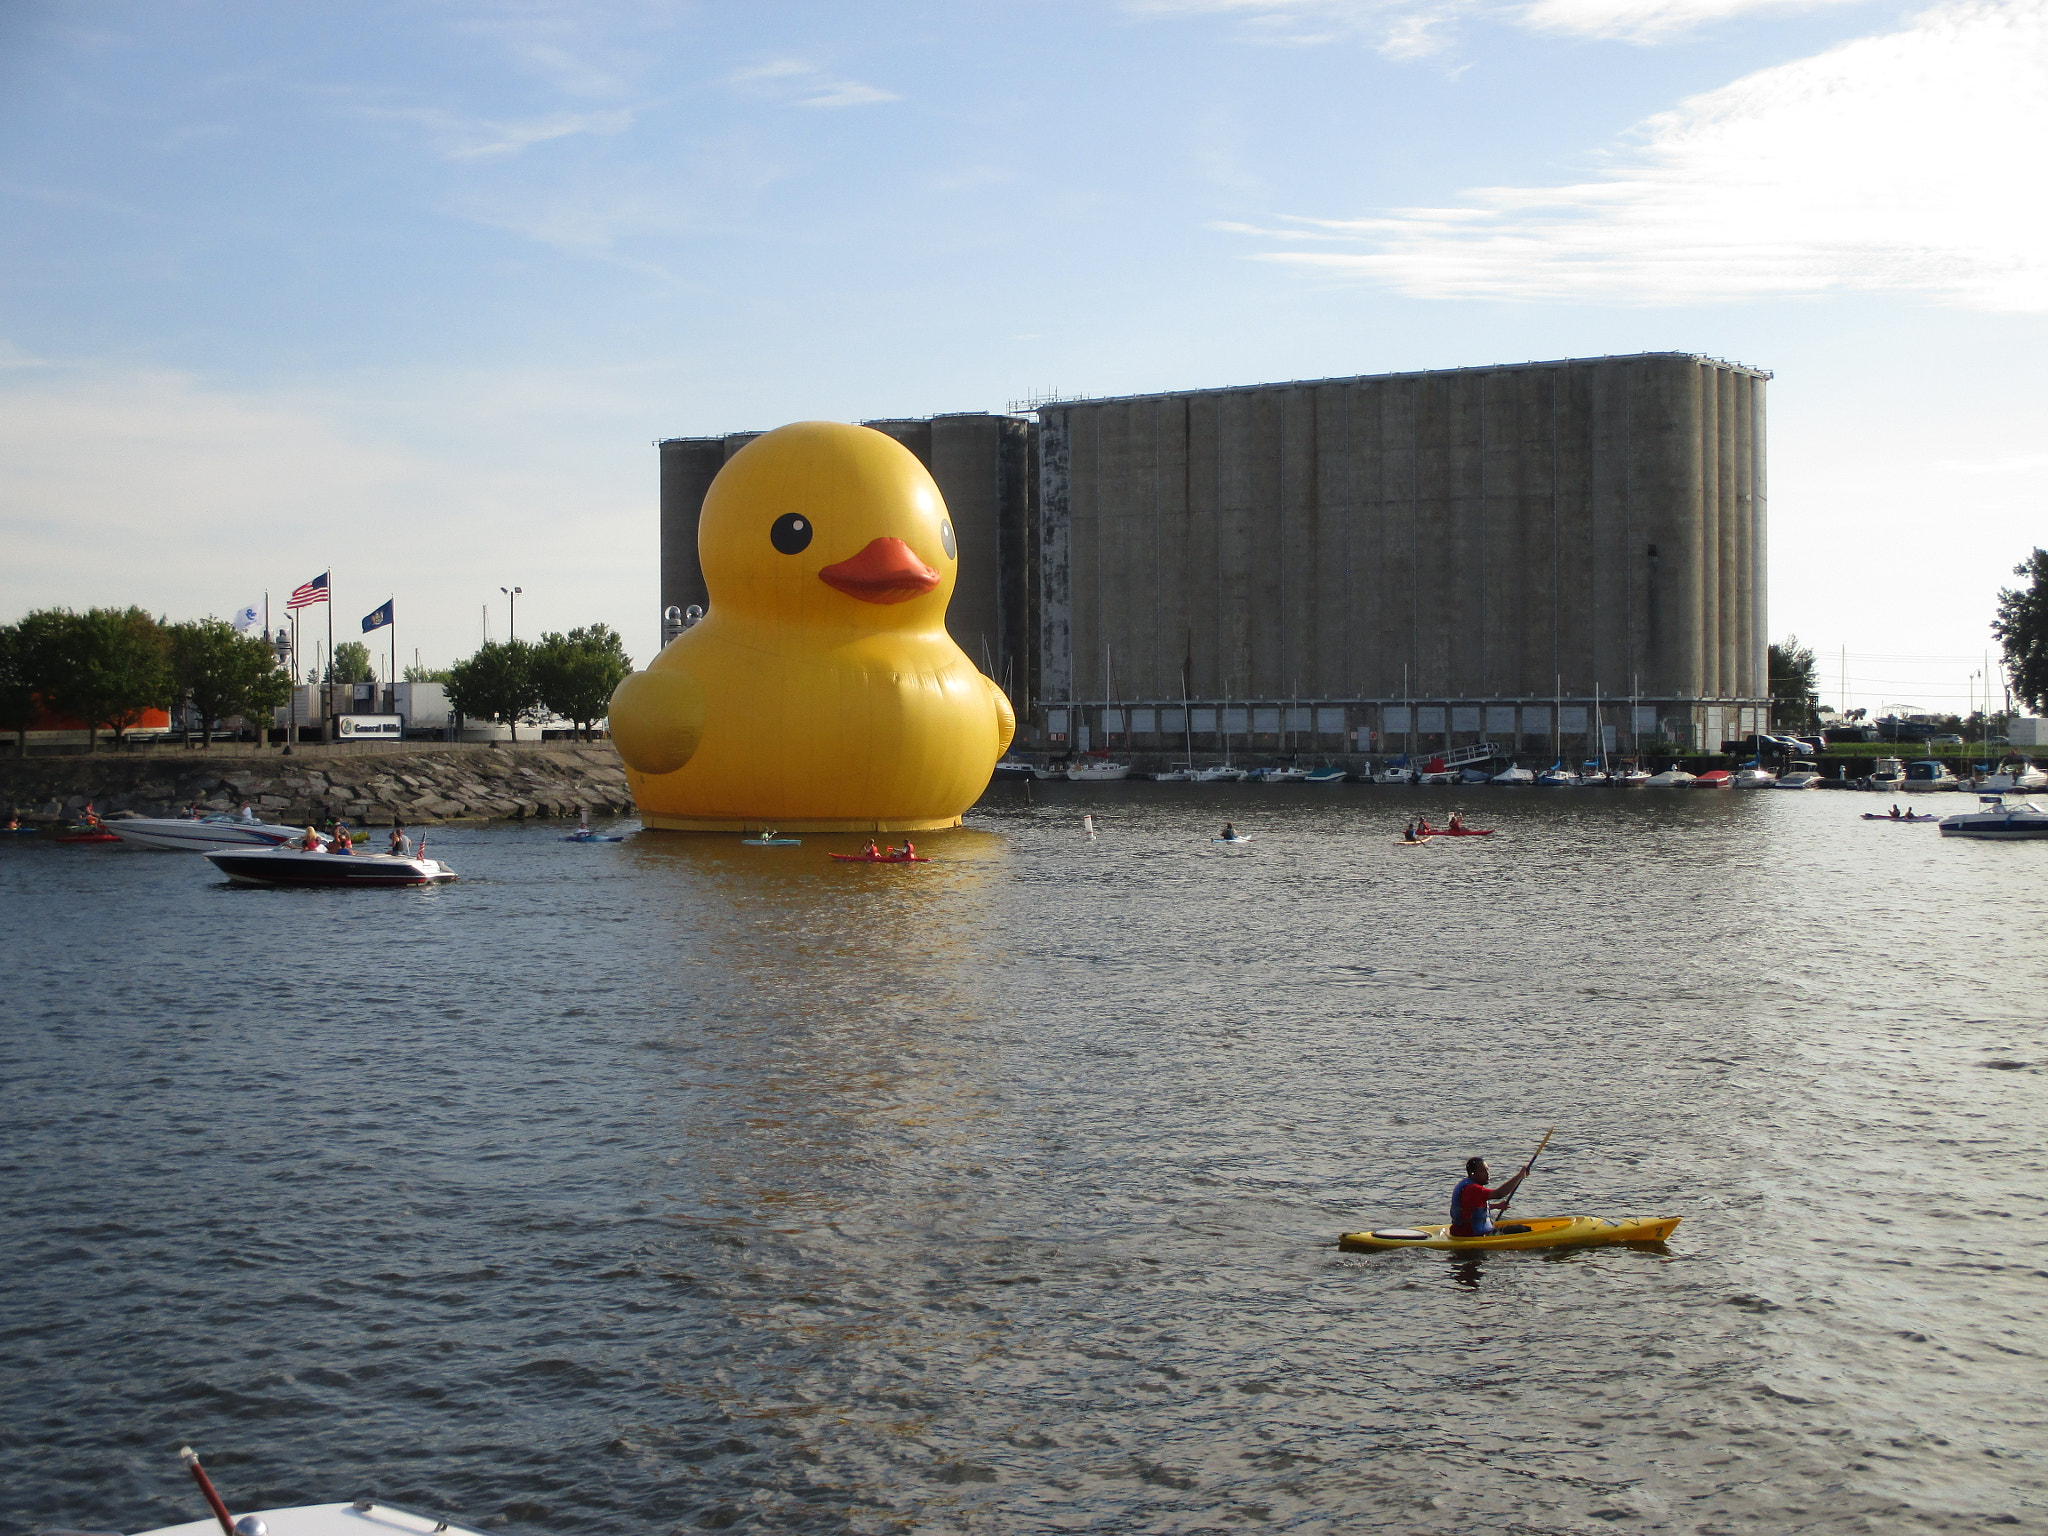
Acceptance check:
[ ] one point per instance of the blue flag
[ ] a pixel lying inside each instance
(381, 617)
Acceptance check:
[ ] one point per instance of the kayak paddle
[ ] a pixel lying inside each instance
(1528, 1166)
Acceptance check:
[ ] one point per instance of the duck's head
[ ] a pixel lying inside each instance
(824, 523)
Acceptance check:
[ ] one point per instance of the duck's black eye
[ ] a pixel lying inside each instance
(946, 538)
(791, 533)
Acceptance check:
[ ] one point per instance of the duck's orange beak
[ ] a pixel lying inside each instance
(887, 571)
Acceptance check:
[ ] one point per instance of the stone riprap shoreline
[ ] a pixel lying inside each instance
(372, 785)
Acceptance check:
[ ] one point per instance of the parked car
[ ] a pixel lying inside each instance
(1946, 741)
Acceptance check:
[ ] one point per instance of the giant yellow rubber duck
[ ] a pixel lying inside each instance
(820, 692)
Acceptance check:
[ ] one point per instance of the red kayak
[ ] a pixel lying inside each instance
(1461, 831)
(87, 837)
(879, 858)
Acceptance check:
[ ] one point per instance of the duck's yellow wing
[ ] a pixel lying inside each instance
(1006, 717)
(657, 719)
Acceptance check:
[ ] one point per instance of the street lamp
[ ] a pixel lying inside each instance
(512, 603)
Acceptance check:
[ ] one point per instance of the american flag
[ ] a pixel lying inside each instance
(314, 591)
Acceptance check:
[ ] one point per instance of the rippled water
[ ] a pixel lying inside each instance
(672, 1184)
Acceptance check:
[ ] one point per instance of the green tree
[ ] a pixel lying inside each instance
(416, 673)
(17, 684)
(2022, 631)
(497, 683)
(351, 663)
(1793, 673)
(578, 673)
(225, 673)
(104, 666)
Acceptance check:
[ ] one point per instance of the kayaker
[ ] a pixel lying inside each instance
(1408, 834)
(1457, 822)
(871, 851)
(1422, 825)
(1229, 832)
(909, 849)
(1470, 1216)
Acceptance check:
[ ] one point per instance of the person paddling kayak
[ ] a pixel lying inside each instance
(1469, 1201)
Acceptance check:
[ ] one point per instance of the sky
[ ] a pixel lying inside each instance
(409, 290)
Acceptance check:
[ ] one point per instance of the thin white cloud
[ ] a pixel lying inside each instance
(1413, 29)
(1908, 162)
(1648, 21)
(474, 138)
(799, 84)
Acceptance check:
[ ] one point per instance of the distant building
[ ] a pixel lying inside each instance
(1384, 563)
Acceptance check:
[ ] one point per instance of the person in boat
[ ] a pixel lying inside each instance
(312, 842)
(1422, 825)
(13, 822)
(1473, 1199)
(341, 842)
(1229, 832)
(1895, 810)
(401, 845)
(247, 811)
(909, 849)
(871, 851)
(1408, 834)
(1457, 822)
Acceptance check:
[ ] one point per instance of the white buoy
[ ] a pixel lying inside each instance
(1089, 823)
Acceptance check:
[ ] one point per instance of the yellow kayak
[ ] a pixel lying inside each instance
(1536, 1232)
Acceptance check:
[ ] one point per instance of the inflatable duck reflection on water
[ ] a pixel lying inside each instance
(820, 692)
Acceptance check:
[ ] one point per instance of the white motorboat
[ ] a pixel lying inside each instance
(363, 1517)
(1629, 778)
(1755, 778)
(1221, 774)
(1513, 774)
(1439, 776)
(1670, 778)
(1095, 773)
(1288, 775)
(1931, 774)
(1890, 773)
(1798, 778)
(2021, 775)
(185, 834)
(1999, 818)
(293, 866)
(1012, 769)
(1395, 773)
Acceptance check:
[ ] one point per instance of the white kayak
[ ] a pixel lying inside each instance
(1245, 838)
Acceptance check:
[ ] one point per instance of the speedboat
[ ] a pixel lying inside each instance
(360, 1517)
(1326, 775)
(1557, 776)
(1012, 769)
(186, 835)
(1754, 776)
(2014, 774)
(1087, 773)
(293, 866)
(1671, 778)
(1714, 778)
(1999, 818)
(1513, 775)
(1890, 773)
(1798, 778)
(1395, 770)
(1930, 774)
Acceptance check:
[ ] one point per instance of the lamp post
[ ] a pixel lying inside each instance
(283, 646)
(512, 604)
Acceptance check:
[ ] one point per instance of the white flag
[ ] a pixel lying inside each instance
(245, 619)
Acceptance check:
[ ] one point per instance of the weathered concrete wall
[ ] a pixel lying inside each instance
(1475, 534)
(418, 784)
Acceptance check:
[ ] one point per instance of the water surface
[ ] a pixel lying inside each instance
(672, 1184)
